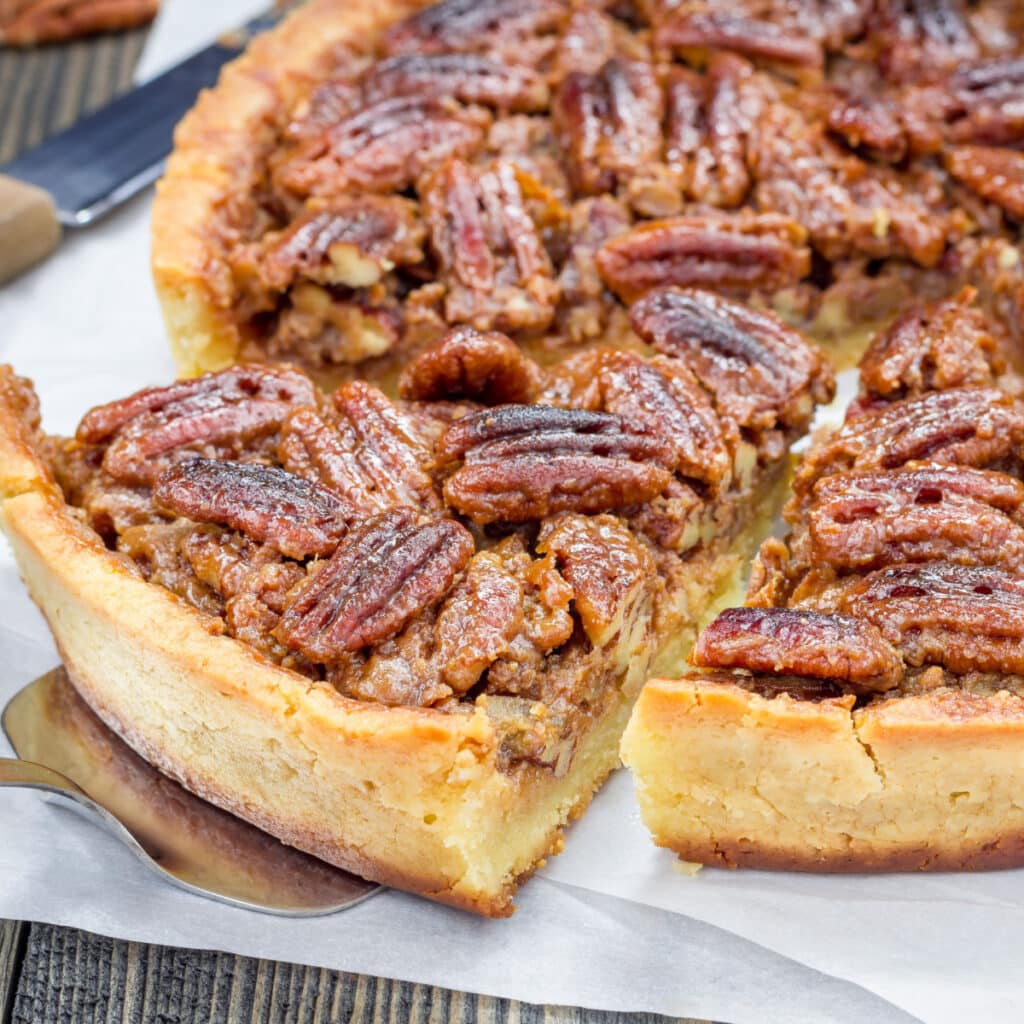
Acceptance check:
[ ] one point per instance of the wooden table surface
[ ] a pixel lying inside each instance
(53, 975)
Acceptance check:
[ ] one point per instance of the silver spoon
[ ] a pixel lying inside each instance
(63, 749)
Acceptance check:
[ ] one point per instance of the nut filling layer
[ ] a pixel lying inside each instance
(533, 168)
(903, 571)
(504, 534)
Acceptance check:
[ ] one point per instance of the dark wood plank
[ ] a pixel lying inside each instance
(44, 90)
(12, 945)
(72, 977)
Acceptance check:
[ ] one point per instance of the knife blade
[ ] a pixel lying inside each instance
(81, 174)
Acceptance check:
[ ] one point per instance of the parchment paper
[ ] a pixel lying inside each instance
(611, 923)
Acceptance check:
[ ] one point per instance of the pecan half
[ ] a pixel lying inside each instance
(495, 268)
(609, 124)
(664, 397)
(611, 575)
(382, 147)
(524, 462)
(509, 28)
(466, 77)
(874, 126)
(719, 174)
(487, 368)
(760, 371)
(352, 242)
(987, 102)
(785, 641)
(847, 207)
(918, 514)
(967, 618)
(960, 426)
(218, 413)
(753, 37)
(740, 254)
(387, 571)
(480, 618)
(270, 505)
(371, 455)
(947, 345)
(922, 38)
(993, 173)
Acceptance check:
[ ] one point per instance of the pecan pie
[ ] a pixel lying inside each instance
(865, 709)
(405, 634)
(374, 171)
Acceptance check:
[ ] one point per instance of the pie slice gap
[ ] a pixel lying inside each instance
(864, 709)
(404, 635)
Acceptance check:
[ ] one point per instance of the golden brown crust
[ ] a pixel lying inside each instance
(218, 149)
(413, 797)
(729, 778)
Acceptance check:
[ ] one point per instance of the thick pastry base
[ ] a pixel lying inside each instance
(410, 797)
(219, 148)
(725, 777)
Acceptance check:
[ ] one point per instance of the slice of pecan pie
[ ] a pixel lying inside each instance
(405, 635)
(370, 173)
(865, 709)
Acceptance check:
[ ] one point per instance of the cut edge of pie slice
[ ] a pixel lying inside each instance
(857, 713)
(416, 797)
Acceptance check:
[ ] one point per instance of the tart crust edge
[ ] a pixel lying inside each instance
(729, 778)
(217, 145)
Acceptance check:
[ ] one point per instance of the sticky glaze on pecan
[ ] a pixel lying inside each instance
(469, 78)
(493, 264)
(353, 242)
(995, 174)
(966, 618)
(370, 454)
(488, 368)
(479, 619)
(505, 27)
(611, 573)
(270, 505)
(382, 146)
(609, 123)
(964, 426)
(751, 36)
(664, 396)
(861, 521)
(524, 462)
(921, 38)
(387, 571)
(784, 641)
(741, 254)
(219, 413)
(945, 345)
(986, 102)
(760, 371)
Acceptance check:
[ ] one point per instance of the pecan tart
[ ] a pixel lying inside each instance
(864, 710)
(405, 635)
(370, 173)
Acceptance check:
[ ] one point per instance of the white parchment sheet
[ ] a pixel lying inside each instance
(610, 924)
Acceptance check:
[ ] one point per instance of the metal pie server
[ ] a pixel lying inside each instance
(67, 751)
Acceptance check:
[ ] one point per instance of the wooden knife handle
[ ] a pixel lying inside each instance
(29, 229)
